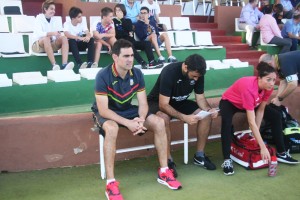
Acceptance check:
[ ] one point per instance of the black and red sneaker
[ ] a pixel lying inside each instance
(112, 191)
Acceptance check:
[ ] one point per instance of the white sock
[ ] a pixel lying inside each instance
(108, 181)
(163, 169)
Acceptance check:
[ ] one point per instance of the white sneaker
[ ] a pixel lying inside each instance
(69, 66)
(161, 58)
(94, 65)
(56, 67)
(83, 65)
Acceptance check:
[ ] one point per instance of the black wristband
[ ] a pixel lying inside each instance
(280, 98)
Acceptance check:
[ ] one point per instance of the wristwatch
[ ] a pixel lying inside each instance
(280, 98)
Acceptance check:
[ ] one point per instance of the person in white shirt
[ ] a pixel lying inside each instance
(48, 38)
(80, 39)
(249, 20)
(154, 11)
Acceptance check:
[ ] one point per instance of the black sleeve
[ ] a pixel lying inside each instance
(127, 24)
(199, 86)
(166, 84)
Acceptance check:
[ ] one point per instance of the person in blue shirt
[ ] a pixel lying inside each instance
(288, 9)
(147, 30)
(291, 29)
(249, 20)
(132, 9)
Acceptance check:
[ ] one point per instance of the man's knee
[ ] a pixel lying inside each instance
(156, 123)
(111, 129)
(165, 117)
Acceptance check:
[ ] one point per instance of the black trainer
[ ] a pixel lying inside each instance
(155, 65)
(144, 65)
(227, 167)
(286, 158)
(172, 167)
(204, 162)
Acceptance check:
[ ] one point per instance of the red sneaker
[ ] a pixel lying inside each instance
(112, 191)
(167, 178)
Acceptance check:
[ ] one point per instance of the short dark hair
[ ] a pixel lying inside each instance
(268, 9)
(145, 8)
(296, 15)
(279, 7)
(47, 4)
(119, 44)
(122, 8)
(264, 69)
(195, 62)
(105, 11)
(251, 1)
(74, 12)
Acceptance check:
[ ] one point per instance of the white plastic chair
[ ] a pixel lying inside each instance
(4, 4)
(12, 45)
(22, 24)
(185, 39)
(262, 43)
(166, 21)
(203, 38)
(181, 23)
(236, 25)
(172, 41)
(29, 78)
(4, 24)
(93, 22)
(5, 81)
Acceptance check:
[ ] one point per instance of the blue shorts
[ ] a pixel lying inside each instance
(159, 42)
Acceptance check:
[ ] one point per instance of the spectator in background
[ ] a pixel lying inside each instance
(278, 15)
(124, 30)
(105, 32)
(132, 10)
(288, 9)
(80, 39)
(154, 11)
(270, 31)
(297, 7)
(146, 30)
(249, 20)
(291, 29)
(49, 39)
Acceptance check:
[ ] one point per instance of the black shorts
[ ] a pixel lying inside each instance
(186, 107)
(130, 113)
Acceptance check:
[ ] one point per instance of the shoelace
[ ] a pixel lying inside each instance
(227, 164)
(169, 175)
(114, 188)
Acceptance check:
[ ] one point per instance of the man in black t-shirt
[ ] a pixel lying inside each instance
(288, 68)
(169, 99)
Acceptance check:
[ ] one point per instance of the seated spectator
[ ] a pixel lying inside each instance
(124, 30)
(263, 5)
(250, 95)
(270, 32)
(297, 7)
(288, 9)
(249, 20)
(132, 9)
(169, 99)
(154, 11)
(115, 87)
(291, 29)
(48, 38)
(146, 30)
(278, 15)
(80, 39)
(105, 32)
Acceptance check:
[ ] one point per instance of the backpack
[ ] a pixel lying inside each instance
(246, 151)
(291, 130)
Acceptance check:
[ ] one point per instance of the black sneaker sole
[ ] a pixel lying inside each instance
(229, 173)
(287, 162)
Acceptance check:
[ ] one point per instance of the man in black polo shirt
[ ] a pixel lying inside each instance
(169, 99)
(288, 68)
(115, 87)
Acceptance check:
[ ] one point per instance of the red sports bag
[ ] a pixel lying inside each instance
(246, 151)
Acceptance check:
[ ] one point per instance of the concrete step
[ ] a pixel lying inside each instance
(244, 55)
(214, 32)
(204, 25)
(232, 39)
(233, 46)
